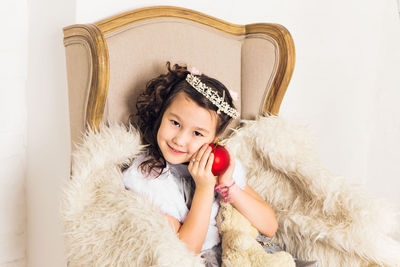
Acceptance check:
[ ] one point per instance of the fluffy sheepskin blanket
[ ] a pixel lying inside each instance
(321, 216)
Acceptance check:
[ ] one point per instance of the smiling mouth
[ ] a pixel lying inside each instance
(176, 151)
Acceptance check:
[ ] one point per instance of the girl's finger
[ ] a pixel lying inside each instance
(196, 156)
(193, 162)
(210, 162)
(204, 158)
(190, 166)
(201, 152)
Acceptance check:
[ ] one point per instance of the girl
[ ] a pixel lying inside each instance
(179, 114)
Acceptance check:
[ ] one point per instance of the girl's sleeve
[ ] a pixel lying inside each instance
(160, 192)
(239, 174)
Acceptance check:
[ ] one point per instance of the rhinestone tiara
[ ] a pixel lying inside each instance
(211, 95)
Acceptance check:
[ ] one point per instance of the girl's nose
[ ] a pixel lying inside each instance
(180, 139)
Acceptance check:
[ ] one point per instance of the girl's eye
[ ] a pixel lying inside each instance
(175, 123)
(196, 133)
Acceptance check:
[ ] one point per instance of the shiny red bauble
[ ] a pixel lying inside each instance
(221, 159)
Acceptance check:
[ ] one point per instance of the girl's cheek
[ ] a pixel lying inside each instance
(193, 150)
(200, 145)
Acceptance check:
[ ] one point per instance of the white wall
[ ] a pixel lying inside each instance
(48, 129)
(13, 131)
(345, 87)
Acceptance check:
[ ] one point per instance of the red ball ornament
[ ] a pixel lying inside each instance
(221, 159)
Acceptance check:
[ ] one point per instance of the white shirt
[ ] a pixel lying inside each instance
(171, 192)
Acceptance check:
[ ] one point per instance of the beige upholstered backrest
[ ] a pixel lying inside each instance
(109, 62)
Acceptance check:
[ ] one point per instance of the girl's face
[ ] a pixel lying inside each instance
(184, 128)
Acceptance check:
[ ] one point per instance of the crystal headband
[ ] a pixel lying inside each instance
(211, 95)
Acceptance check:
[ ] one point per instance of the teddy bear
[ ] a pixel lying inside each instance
(239, 244)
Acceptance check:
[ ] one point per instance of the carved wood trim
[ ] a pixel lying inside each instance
(100, 68)
(118, 21)
(286, 62)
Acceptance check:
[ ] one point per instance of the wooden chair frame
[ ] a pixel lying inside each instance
(92, 35)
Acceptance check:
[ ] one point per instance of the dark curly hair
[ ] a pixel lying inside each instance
(158, 96)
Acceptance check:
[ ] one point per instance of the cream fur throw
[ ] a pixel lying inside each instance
(321, 216)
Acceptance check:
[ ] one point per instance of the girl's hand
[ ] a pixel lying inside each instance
(227, 177)
(200, 168)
